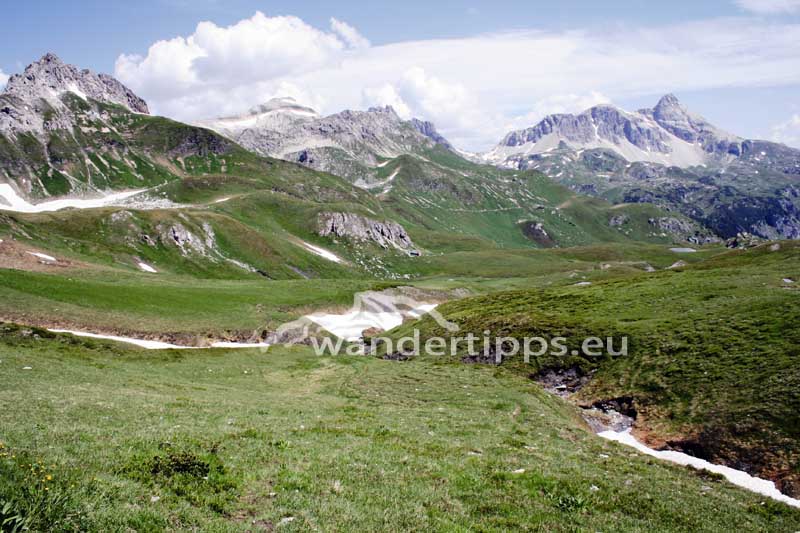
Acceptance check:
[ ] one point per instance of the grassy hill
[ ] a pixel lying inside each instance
(101, 437)
(712, 367)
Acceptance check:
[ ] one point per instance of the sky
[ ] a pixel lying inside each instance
(476, 69)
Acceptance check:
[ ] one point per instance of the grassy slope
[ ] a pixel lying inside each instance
(166, 305)
(114, 300)
(713, 355)
(127, 438)
(452, 204)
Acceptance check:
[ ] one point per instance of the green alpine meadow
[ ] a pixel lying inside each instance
(400, 268)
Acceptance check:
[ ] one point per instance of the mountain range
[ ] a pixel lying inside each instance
(70, 133)
(352, 144)
(668, 156)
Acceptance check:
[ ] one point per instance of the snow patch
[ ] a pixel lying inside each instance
(351, 325)
(43, 256)
(737, 477)
(222, 344)
(683, 250)
(74, 89)
(147, 268)
(16, 203)
(322, 252)
(158, 345)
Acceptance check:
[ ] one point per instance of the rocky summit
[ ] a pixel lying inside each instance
(350, 144)
(33, 100)
(668, 156)
(668, 134)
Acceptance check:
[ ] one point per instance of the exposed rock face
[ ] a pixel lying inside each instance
(71, 132)
(598, 123)
(428, 129)
(350, 143)
(667, 134)
(276, 115)
(691, 231)
(385, 234)
(618, 220)
(672, 224)
(671, 115)
(32, 101)
(178, 235)
(562, 381)
(670, 157)
(535, 231)
(743, 241)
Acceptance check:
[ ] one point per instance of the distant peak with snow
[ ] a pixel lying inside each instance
(668, 134)
(274, 114)
(350, 143)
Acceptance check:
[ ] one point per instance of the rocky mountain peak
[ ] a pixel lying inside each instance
(668, 101)
(669, 110)
(428, 129)
(49, 78)
(385, 110)
(674, 117)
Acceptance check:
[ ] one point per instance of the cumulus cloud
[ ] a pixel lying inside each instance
(385, 95)
(3, 79)
(769, 7)
(247, 60)
(788, 132)
(416, 92)
(349, 34)
(474, 88)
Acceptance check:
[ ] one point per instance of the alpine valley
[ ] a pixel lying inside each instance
(144, 232)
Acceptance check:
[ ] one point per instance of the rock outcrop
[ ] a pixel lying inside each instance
(687, 229)
(386, 234)
(428, 129)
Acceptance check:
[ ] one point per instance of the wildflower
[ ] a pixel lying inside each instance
(47, 488)
(49, 477)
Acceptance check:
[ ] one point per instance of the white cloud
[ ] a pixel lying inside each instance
(3, 79)
(385, 95)
(788, 132)
(245, 61)
(349, 34)
(475, 89)
(769, 7)
(416, 92)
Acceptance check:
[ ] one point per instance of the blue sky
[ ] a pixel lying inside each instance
(476, 68)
